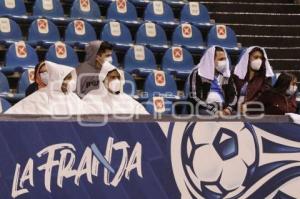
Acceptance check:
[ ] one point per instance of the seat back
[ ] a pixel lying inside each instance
(115, 32)
(4, 86)
(12, 7)
(85, 9)
(4, 105)
(158, 105)
(122, 10)
(48, 8)
(151, 33)
(222, 35)
(9, 30)
(187, 35)
(80, 31)
(194, 12)
(158, 11)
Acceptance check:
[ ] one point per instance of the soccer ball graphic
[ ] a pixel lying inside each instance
(218, 159)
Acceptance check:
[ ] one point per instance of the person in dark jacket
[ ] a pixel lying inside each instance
(40, 79)
(281, 98)
(252, 75)
(211, 88)
(86, 76)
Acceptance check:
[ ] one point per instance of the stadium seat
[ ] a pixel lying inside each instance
(118, 34)
(79, 33)
(158, 105)
(196, 14)
(124, 11)
(161, 83)
(224, 36)
(43, 32)
(188, 36)
(4, 86)
(62, 53)
(153, 36)
(87, 10)
(130, 86)
(139, 60)
(140, 3)
(51, 9)
(25, 80)
(161, 13)
(178, 61)
(104, 2)
(4, 105)
(10, 31)
(115, 60)
(14, 9)
(19, 57)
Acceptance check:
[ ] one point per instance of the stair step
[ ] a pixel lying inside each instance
(254, 1)
(249, 40)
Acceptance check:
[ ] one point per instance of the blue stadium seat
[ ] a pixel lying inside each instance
(87, 10)
(43, 32)
(79, 33)
(50, 9)
(161, 83)
(14, 9)
(188, 36)
(10, 31)
(124, 11)
(224, 36)
(4, 86)
(19, 57)
(139, 60)
(25, 80)
(161, 13)
(4, 105)
(178, 61)
(196, 14)
(130, 86)
(164, 107)
(118, 34)
(153, 36)
(62, 53)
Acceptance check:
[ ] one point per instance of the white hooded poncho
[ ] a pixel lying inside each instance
(105, 103)
(50, 100)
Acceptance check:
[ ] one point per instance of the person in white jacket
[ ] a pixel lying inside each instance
(50, 100)
(109, 98)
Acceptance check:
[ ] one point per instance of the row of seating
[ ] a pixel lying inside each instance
(138, 59)
(122, 10)
(79, 32)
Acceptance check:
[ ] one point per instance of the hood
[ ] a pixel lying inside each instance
(91, 52)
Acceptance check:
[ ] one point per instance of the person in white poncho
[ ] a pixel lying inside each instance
(109, 98)
(50, 100)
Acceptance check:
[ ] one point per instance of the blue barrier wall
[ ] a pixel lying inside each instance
(52, 159)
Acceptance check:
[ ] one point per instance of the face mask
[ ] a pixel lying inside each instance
(256, 64)
(109, 59)
(221, 66)
(115, 86)
(44, 77)
(292, 90)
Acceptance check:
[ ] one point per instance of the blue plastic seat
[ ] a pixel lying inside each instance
(130, 85)
(49, 9)
(14, 9)
(153, 36)
(118, 34)
(62, 53)
(10, 31)
(43, 32)
(115, 60)
(196, 14)
(161, 13)
(139, 60)
(178, 61)
(149, 106)
(25, 80)
(188, 36)
(79, 33)
(87, 10)
(140, 3)
(161, 83)
(124, 11)
(19, 57)
(224, 36)
(4, 86)
(4, 105)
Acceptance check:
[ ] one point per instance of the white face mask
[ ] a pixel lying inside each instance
(45, 77)
(292, 90)
(221, 66)
(115, 85)
(256, 64)
(109, 59)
